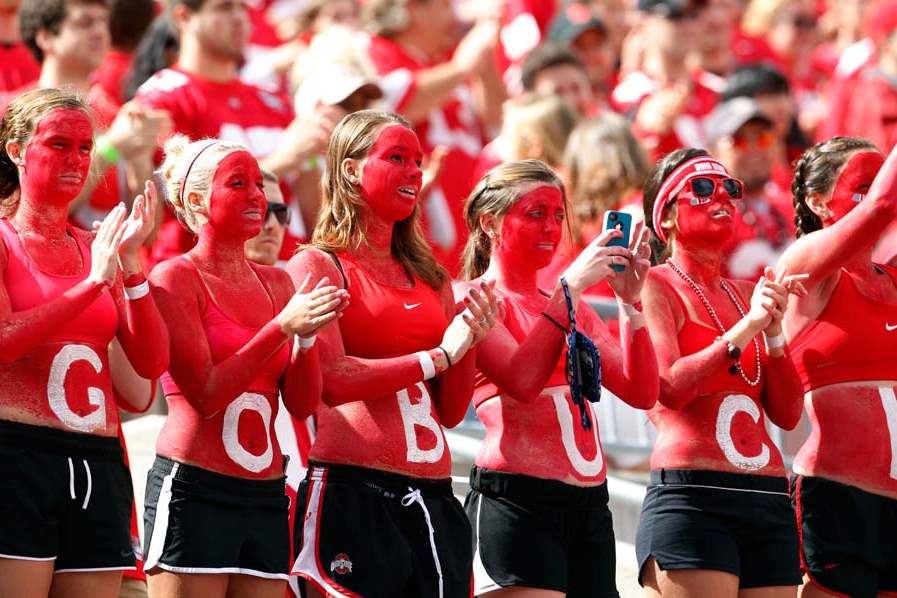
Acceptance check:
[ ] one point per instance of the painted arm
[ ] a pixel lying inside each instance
(521, 369)
(207, 386)
(348, 378)
(142, 333)
(133, 393)
(681, 376)
(822, 253)
(22, 331)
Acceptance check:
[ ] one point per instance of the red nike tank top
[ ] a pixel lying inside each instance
(398, 432)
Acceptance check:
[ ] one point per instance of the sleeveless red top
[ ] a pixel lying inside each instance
(544, 438)
(853, 438)
(238, 440)
(724, 427)
(398, 432)
(64, 382)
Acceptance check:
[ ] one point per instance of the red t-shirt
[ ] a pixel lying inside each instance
(524, 25)
(454, 125)
(231, 111)
(18, 67)
(111, 75)
(873, 112)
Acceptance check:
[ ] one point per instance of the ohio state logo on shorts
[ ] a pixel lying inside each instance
(341, 564)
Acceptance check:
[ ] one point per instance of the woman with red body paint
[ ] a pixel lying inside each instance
(716, 520)
(538, 498)
(843, 339)
(216, 509)
(379, 515)
(65, 493)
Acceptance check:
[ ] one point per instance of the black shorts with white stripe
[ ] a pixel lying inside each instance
(737, 523)
(200, 521)
(375, 534)
(536, 533)
(64, 497)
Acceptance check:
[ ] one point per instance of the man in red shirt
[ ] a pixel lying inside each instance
(411, 46)
(872, 112)
(205, 98)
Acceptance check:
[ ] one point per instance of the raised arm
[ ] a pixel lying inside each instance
(822, 253)
(22, 331)
(681, 376)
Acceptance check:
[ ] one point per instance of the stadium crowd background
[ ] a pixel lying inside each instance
(598, 90)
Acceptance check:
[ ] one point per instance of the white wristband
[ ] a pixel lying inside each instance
(137, 292)
(426, 364)
(306, 342)
(774, 342)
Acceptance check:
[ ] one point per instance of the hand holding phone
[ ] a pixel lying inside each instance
(622, 222)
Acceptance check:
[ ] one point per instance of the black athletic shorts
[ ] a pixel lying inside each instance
(738, 523)
(848, 537)
(372, 533)
(64, 496)
(536, 533)
(200, 521)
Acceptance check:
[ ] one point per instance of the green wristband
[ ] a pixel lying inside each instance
(107, 151)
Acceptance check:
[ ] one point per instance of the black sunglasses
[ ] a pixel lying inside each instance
(703, 189)
(281, 212)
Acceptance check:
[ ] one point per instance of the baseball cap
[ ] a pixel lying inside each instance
(730, 116)
(573, 21)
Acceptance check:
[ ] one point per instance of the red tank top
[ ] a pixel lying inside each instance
(238, 440)
(724, 427)
(63, 383)
(853, 339)
(853, 437)
(399, 432)
(544, 438)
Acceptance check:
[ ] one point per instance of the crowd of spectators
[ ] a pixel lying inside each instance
(597, 89)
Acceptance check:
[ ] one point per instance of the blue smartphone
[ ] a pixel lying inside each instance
(623, 222)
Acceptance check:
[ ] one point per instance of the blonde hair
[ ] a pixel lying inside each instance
(386, 18)
(340, 225)
(19, 122)
(603, 162)
(495, 193)
(548, 119)
(196, 162)
(760, 15)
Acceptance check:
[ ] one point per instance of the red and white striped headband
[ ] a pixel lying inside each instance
(696, 167)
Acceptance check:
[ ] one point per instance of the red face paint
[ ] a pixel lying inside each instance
(57, 157)
(853, 183)
(237, 204)
(532, 229)
(704, 223)
(391, 178)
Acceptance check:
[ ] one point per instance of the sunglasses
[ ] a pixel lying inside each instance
(763, 140)
(704, 188)
(281, 212)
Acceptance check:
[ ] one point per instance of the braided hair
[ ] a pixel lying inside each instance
(817, 171)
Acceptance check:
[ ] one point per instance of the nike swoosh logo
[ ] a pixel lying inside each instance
(412, 306)
(890, 328)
